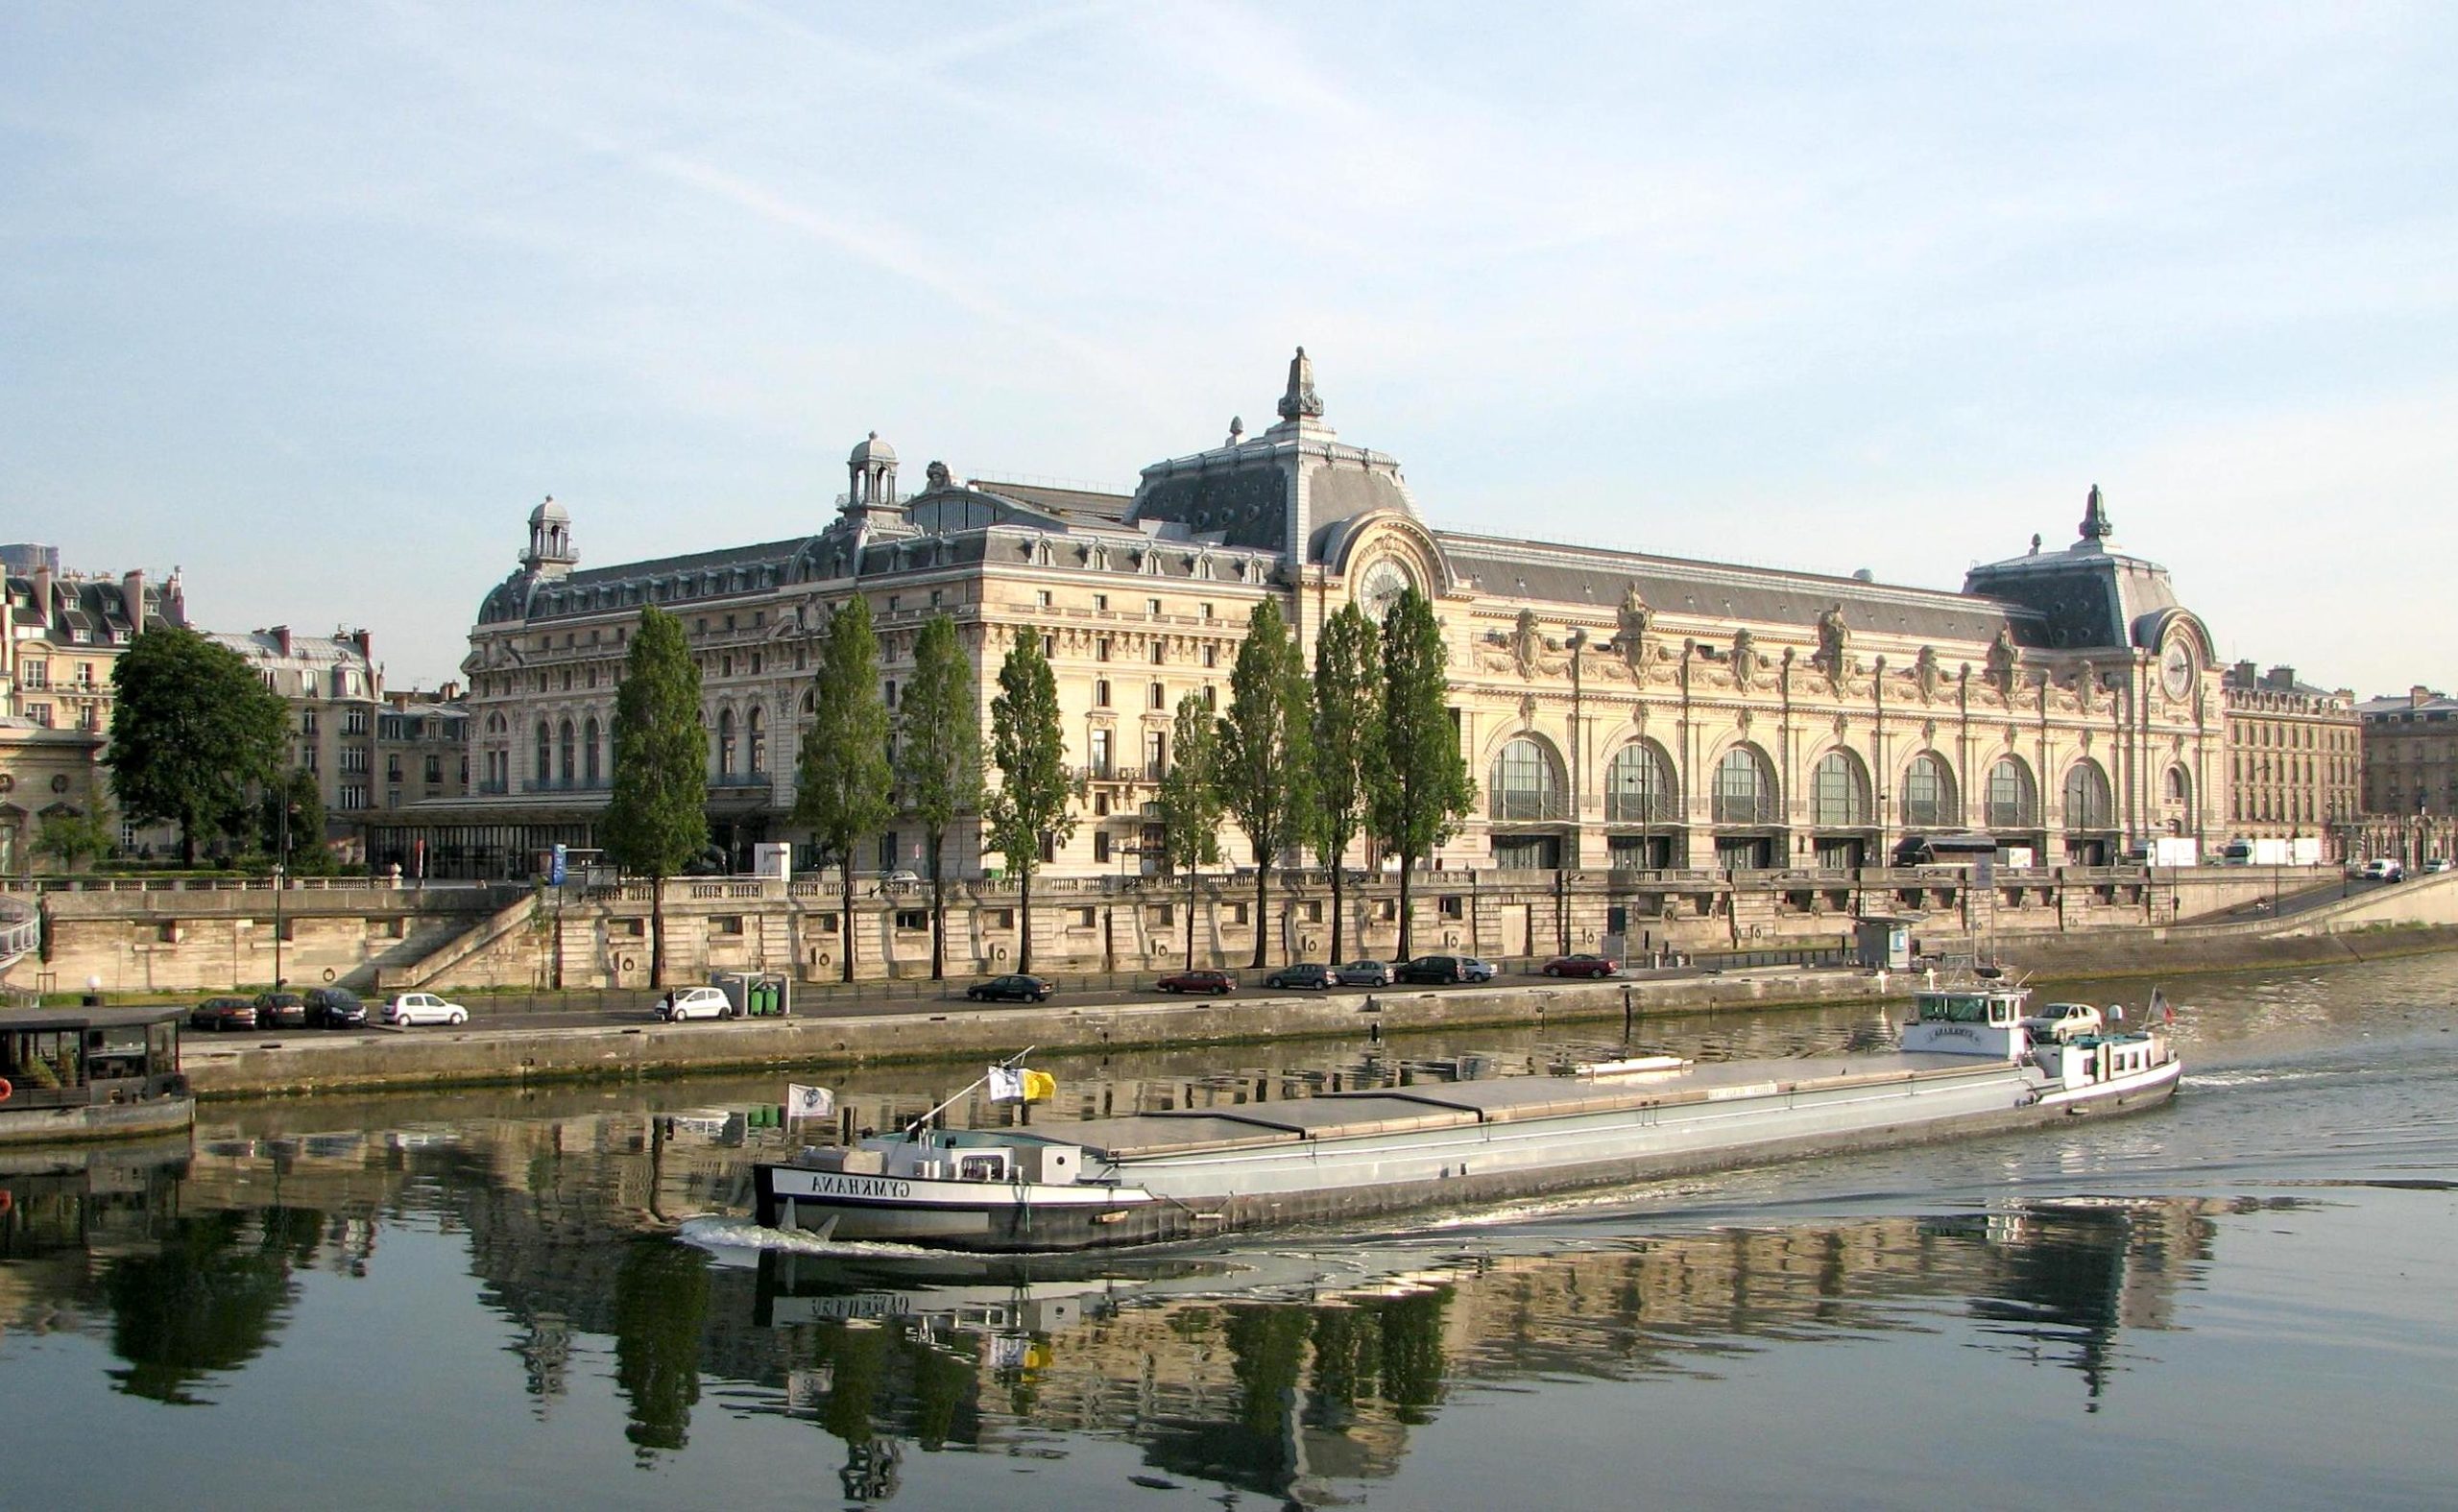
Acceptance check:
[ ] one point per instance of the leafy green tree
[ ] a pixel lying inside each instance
(193, 731)
(1348, 748)
(843, 787)
(1189, 803)
(1421, 785)
(1030, 806)
(657, 820)
(299, 846)
(1261, 765)
(74, 839)
(938, 760)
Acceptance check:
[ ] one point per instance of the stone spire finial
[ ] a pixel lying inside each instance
(2095, 517)
(1301, 397)
(1237, 429)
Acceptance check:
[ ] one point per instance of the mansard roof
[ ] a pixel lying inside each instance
(1595, 578)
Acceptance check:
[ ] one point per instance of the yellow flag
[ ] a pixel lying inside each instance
(1039, 1086)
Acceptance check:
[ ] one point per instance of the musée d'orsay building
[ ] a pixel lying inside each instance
(1618, 710)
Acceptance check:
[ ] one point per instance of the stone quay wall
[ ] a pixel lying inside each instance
(138, 937)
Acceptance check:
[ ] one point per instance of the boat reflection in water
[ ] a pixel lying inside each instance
(1292, 1374)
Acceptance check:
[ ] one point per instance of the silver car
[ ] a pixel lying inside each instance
(423, 1008)
(1367, 974)
(1475, 970)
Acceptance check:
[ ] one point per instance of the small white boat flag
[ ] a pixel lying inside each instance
(808, 1102)
(1020, 1084)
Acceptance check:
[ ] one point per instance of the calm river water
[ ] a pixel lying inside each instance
(498, 1300)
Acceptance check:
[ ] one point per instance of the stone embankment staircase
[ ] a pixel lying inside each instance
(20, 931)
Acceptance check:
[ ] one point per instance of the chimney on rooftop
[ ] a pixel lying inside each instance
(42, 576)
(281, 638)
(2418, 695)
(2282, 678)
(2245, 677)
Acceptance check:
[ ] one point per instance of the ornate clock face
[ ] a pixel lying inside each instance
(2176, 669)
(1383, 583)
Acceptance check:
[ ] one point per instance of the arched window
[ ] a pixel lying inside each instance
(1928, 793)
(566, 764)
(757, 727)
(725, 742)
(1523, 783)
(2180, 788)
(590, 767)
(1838, 791)
(1745, 788)
(2013, 797)
(546, 768)
(2088, 805)
(1638, 787)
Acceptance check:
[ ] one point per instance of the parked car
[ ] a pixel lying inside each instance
(2439, 863)
(1013, 988)
(1581, 963)
(1434, 968)
(2382, 869)
(334, 1008)
(223, 1012)
(1200, 980)
(1367, 974)
(2064, 1022)
(902, 877)
(1476, 971)
(280, 1011)
(410, 1008)
(1308, 974)
(694, 1002)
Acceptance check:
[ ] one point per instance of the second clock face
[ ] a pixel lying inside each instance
(1383, 585)
(2176, 669)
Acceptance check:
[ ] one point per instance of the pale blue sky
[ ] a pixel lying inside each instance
(317, 299)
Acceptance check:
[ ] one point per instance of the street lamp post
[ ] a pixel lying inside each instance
(280, 881)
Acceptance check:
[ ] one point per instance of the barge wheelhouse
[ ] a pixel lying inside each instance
(90, 1074)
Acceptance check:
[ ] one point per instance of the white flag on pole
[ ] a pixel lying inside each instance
(1006, 1084)
(808, 1102)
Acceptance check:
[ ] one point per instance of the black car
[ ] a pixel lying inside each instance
(1434, 968)
(280, 1011)
(223, 1012)
(1310, 975)
(334, 1008)
(1014, 989)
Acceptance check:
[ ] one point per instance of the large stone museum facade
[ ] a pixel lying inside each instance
(1620, 711)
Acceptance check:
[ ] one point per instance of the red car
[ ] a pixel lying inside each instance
(1581, 965)
(1199, 982)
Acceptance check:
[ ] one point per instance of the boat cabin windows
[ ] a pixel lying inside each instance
(1968, 1008)
(982, 1166)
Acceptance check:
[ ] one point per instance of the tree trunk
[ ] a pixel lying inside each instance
(1023, 919)
(1192, 875)
(657, 931)
(1336, 916)
(188, 841)
(1408, 863)
(1263, 893)
(938, 909)
(845, 956)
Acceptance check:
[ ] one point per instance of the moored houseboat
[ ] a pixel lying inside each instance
(1966, 1065)
(70, 1074)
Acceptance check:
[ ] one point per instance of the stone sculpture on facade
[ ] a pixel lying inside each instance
(937, 476)
(1927, 675)
(2001, 661)
(1301, 399)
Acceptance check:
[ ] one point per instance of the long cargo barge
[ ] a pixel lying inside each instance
(1968, 1063)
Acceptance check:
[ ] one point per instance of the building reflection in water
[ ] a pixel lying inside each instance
(1292, 1372)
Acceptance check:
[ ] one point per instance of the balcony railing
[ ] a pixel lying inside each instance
(558, 785)
(1097, 771)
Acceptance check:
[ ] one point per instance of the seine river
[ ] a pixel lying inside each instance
(504, 1300)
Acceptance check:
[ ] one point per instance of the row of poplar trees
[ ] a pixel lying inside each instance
(1363, 747)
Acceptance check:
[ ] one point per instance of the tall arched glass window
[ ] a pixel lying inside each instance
(1838, 791)
(1928, 793)
(2180, 788)
(2013, 797)
(1638, 787)
(1745, 788)
(567, 766)
(1524, 785)
(2088, 805)
(756, 727)
(725, 742)
(546, 768)
(589, 759)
